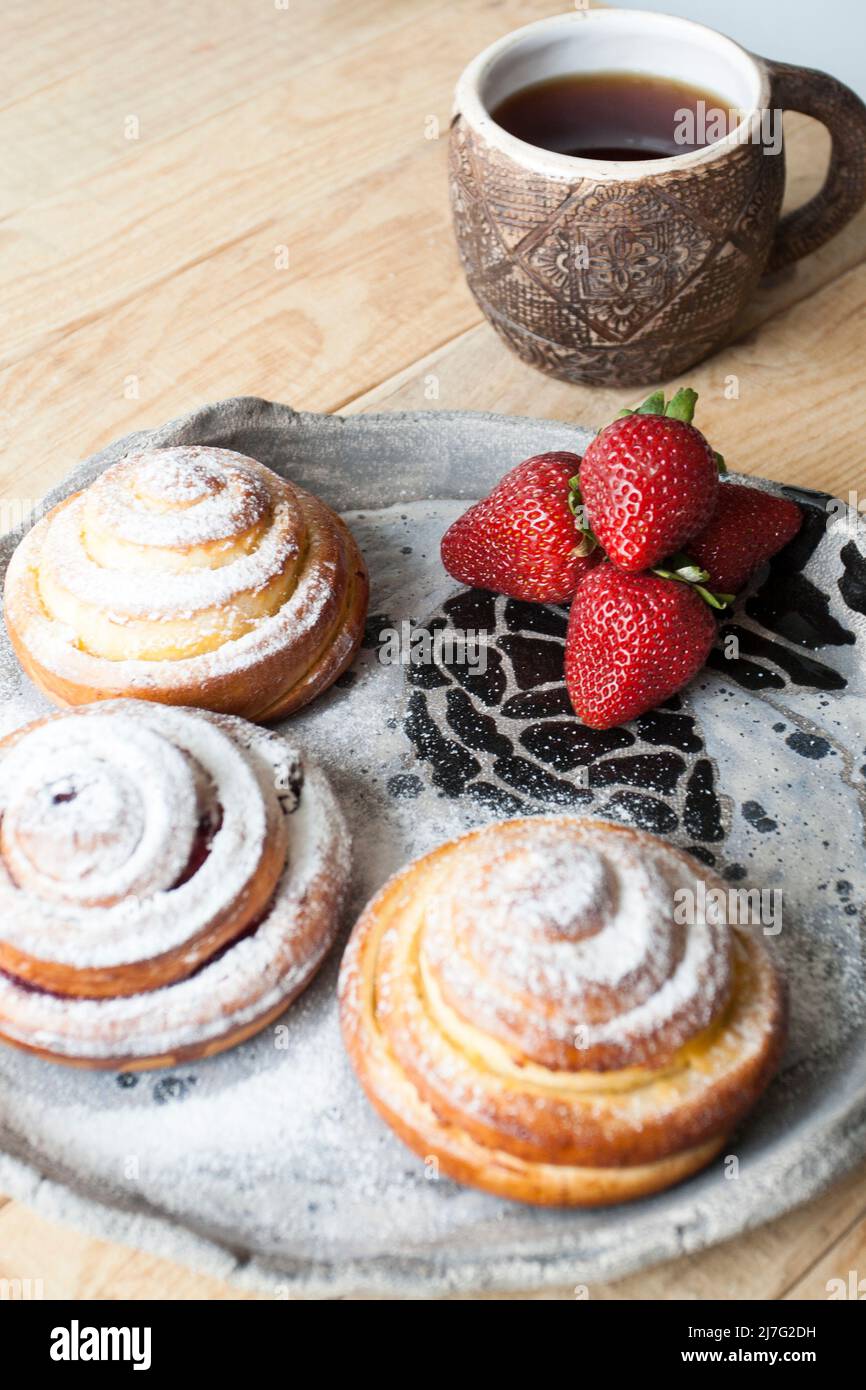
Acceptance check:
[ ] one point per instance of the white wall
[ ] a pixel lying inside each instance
(828, 34)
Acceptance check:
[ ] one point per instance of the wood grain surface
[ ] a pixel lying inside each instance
(221, 199)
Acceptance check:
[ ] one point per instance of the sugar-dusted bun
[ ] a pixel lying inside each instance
(522, 1005)
(188, 576)
(169, 881)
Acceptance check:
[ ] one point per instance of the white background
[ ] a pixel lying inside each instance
(828, 34)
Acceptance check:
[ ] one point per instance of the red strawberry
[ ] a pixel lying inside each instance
(524, 539)
(747, 527)
(633, 641)
(649, 481)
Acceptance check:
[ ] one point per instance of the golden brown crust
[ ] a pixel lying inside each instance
(307, 633)
(490, 1114)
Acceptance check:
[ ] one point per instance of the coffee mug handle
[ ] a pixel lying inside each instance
(844, 191)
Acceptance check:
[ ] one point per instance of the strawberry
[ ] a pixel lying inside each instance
(649, 481)
(524, 539)
(633, 641)
(747, 527)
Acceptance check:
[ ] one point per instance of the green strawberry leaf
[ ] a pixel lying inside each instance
(682, 405)
(720, 462)
(714, 600)
(653, 405)
(686, 574)
(680, 568)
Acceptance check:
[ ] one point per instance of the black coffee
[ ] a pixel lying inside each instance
(611, 115)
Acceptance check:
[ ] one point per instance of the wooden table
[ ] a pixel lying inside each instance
(248, 197)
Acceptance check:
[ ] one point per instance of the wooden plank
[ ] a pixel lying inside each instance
(167, 203)
(171, 66)
(841, 1272)
(350, 311)
(173, 203)
(71, 1265)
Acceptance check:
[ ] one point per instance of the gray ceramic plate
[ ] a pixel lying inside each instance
(266, 1165)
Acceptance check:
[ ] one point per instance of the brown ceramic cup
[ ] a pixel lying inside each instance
(622, 273)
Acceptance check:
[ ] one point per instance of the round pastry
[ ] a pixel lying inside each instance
(169, 881)
(188, 576)
(523, 1006)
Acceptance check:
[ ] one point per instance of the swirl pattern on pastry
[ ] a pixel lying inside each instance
(523, 1005)
(188, 575)
(169, 881)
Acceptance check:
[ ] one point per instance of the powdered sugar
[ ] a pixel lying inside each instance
(246, 982)
(139, 751)
(177, 498)
(614, 971)
(161, 594)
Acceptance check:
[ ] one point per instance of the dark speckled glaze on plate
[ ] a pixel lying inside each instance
(508, 737)
(266, 1165)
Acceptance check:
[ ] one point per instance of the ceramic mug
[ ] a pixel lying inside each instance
(625, 272)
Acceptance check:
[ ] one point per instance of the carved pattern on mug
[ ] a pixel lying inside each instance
(652, 275)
